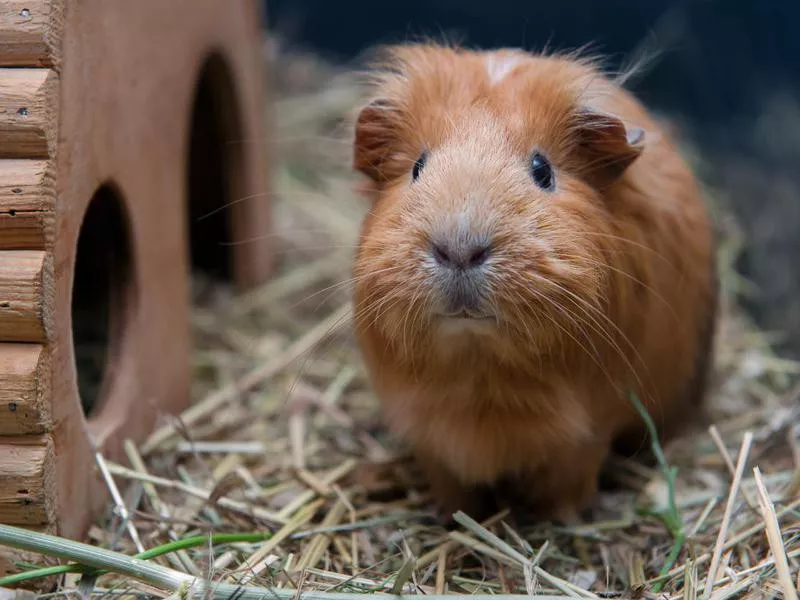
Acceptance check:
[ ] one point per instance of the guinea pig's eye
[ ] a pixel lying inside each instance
(418, 166)
(542, 172)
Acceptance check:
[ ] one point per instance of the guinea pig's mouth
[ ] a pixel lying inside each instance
(466, 315)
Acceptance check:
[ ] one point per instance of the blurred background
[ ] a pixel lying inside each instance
(724, 72)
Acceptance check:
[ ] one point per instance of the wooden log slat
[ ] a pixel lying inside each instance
(24, 389)
(23, 279)
(26, 480)
(27, 204)
(28, 105)
(29, 33)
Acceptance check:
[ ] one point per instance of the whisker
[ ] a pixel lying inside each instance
(604, 334)
(624, 240)
(636, 280)
(595, 357)
(349, 281)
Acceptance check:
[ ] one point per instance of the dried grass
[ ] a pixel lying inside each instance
(284, 436)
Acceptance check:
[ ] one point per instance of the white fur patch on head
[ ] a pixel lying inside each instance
(500, 64)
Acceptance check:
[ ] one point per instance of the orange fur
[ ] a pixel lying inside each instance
(603, 286)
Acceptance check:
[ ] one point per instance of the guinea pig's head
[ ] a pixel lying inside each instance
(489, 217)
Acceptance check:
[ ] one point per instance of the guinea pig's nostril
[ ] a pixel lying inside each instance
(441, 255)
(460, 257)
(479, 256)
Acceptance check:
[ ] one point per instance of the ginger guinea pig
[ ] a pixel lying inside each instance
(536, 251)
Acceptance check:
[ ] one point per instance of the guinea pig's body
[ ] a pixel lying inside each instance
(536, 252)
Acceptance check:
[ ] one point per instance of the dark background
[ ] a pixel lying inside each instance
(725, 69)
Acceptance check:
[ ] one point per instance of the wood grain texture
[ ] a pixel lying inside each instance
(28, 107)
(30, 33)
(27, 204)
(24, 389)
(27, 491)
(23, 279)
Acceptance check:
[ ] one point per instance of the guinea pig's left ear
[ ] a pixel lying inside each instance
(374, 137)
(606, 146)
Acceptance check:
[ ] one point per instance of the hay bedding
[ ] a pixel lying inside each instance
(287, 439)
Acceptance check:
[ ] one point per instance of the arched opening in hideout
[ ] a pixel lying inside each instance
(103, 296)
(214, 175)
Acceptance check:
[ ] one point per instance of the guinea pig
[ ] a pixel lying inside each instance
(536, 251)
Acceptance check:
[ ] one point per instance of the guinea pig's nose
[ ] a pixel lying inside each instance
(460, 256)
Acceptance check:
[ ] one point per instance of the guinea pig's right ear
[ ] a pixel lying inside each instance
(374, 135)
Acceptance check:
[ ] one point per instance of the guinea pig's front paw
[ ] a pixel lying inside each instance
(567, 487)
(445, 517)
(473, 503)
(559, 512)
(571, 504)
(450, 495)
(567, 516)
